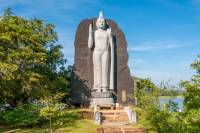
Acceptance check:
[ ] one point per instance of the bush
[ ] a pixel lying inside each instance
(22, 116)
(159, 120)
(192, 119)
(66, 116)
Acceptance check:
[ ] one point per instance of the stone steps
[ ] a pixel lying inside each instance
(111, 111)
(114, 113)
(114, 123)
(122, 129)
(114, 117)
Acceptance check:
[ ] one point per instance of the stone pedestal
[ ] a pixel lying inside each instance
(102, 99)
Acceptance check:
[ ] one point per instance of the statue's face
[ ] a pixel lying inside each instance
(101, 23)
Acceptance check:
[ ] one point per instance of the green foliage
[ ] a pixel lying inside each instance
(155, 117)
(192, 94)
(81, 126)
(192, 100)
(51, 107)
(192, 120)
(31, 60)
(146, 93)
(65, 117)
(159, 120)
(166, 119)
(21, 116)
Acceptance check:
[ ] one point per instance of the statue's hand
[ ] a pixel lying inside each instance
(109, 31)
(90, 28)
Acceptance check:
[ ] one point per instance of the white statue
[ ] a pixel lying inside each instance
(103, 55)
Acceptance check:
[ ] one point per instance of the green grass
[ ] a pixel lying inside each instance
(142, 121)
(80, 126)
(71, 123)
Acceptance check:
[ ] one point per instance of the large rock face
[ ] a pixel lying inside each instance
(82, 82)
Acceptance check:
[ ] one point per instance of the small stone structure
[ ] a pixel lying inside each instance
(131, 114)
(97, 118)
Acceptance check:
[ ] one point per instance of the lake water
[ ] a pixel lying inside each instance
(178, 100)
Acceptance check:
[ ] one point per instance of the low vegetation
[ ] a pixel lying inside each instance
(70, 126)
(167, 119)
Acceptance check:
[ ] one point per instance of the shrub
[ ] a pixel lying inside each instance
(192, 119)
(22, 116)
(66, 116)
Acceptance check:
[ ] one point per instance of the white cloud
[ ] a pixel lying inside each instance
(152, 46)
(157, 76)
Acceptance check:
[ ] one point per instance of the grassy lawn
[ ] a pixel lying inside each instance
(80, 126)
(77, 125)
(72, 124)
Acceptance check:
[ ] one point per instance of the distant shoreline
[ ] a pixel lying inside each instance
(170, 96)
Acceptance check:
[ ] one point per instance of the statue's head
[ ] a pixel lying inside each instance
(101, 23)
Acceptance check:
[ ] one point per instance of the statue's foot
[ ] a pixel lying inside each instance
(105, 90)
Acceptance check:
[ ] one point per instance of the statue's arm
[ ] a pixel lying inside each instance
(90, 38)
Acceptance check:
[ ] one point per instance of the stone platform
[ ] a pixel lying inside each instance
(102, 99)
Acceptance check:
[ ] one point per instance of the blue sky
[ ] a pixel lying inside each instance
(163, 35)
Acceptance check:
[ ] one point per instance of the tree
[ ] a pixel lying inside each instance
(155, 117)
(146, 93)
(51, 107)
(192, 95)
(167, 119)
(31, 61)
(187, 121)
(192, 99)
